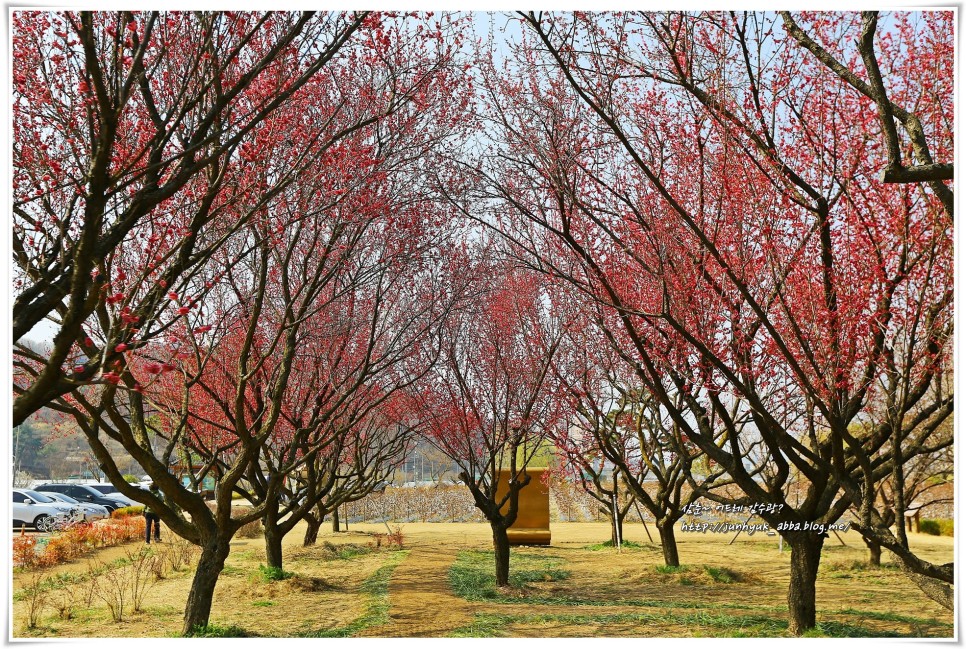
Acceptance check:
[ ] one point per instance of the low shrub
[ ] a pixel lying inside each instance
(84, 534)
(415, 504)
(76, 542)
(181, 553)
(142, 575)
(113, 588)
(396, 536)
(125, 512)
(65, 600)
(90, 585)
(936, 526)
(159, 564)
(251, 530)
(58, 550)
(36, 598)
(25, 551)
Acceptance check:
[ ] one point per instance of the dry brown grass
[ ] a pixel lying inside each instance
(702, 575)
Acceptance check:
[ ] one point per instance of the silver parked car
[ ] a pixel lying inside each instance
(91, 511)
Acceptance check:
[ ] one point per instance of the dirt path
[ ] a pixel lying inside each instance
(421, 604)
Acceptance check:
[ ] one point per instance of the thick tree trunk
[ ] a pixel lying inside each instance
(875, 552)
(501, 552)
(335, 519)
(806, 554)
(668, 544)
(273, 539)
(214, 551)
(312, 526)
(273, 547)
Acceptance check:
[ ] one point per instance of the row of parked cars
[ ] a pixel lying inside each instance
(46, 504)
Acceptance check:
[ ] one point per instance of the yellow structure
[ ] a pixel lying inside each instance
(532, 526)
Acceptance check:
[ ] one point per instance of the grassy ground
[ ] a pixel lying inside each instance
(564, 608)
(576, 587)
(327, 590)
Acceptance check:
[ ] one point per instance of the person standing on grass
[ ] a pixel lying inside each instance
(150, 516)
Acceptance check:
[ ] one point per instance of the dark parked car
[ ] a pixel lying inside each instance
(111, 491)
(84, 494)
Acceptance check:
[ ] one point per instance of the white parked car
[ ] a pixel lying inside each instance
(91, 511)
(36, 510)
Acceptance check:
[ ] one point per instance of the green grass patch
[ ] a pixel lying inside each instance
(472, 578)
(351, 550)
(161, 611)
(895, 617)
(705, 574)
(376, 589)
(273, 573)
(263, 603)
(833, 629)
(671, 570)
(221, 631)
(701, 624)
(722, 575)
(473, 575)
(485, 625)
(329, 551)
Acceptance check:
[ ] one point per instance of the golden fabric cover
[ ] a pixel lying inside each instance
(532, 526)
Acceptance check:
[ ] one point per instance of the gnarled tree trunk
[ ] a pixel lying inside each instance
(669, 544)
(806, 555)
(214, 551)
(273, 538)
(875, 552)
(312, 525)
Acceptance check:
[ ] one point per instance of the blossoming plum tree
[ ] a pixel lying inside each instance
(318, 204)
(133, 133)
(492, 401)
(719, 194)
